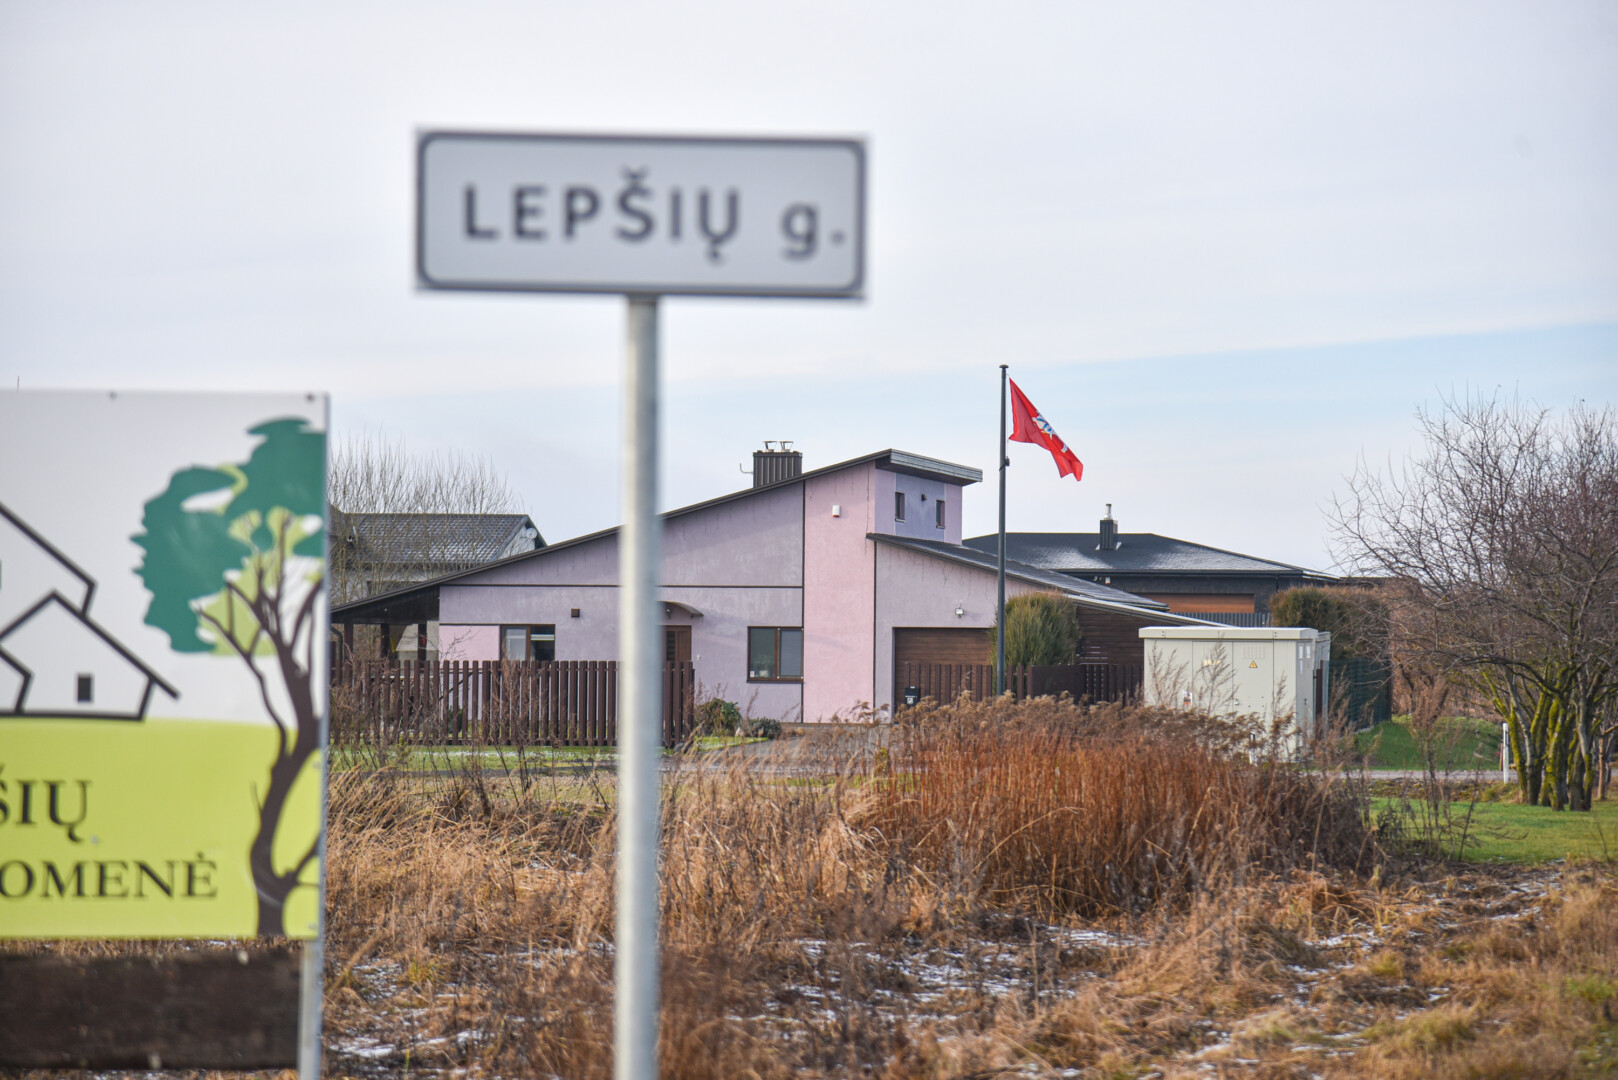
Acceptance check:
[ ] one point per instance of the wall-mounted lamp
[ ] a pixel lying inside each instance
(836, 510)
(960, 611)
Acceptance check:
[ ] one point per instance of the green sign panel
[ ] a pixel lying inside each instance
(163, 632)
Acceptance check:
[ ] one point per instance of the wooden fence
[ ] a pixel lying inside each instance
(496, 702)
(1098, 682)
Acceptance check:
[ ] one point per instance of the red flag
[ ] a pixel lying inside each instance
(1030, 427)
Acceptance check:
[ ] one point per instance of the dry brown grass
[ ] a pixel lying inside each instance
(1104, 811)
(808, 922)
(948, 911)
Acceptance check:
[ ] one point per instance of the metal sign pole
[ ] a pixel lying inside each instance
(312, 972)
(635, 960)
(311, 992)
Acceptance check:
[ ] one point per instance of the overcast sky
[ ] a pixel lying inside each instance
(1226, 249)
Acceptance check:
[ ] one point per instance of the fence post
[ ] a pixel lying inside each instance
(552, 707)
(575, 719)
(597, 720)
(669, 703)
(687, 716)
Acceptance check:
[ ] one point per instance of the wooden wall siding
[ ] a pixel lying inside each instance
(1112, 638)
(1226, 603)
(1261, 586)
(495, 702)
(947, 682)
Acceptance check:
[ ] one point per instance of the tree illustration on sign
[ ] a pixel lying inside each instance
(235, 562)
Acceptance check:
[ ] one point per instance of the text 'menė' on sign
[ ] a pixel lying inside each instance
(640, 215)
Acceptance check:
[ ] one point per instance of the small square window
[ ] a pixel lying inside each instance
(938, 513)
(774, 653)
(86, 689)
(898, 506)
(528, 642)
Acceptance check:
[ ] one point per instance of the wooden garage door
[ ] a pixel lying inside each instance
(952, 645)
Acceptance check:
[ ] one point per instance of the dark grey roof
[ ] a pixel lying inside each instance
(1140, 553)
(1084, 591)
(448, 540)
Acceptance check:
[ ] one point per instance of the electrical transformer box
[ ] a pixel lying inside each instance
(1272, 674)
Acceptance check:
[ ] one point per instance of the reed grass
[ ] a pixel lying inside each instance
(1105, 811)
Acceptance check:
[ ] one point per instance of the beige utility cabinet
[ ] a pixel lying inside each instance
(1262, 671)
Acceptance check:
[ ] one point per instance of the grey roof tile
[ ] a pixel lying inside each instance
(448, 540)
(1035, 574)
(1136, 553)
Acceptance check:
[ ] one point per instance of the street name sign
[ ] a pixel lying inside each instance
(645, 216)
(163, 633)
(640, 215)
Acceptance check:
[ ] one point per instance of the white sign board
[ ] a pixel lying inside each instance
(163, 637)
(640, 215)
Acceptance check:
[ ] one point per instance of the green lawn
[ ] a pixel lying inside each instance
(1513, 833)
(1461, 745)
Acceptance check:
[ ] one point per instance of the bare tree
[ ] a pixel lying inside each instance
(1501, 537)
(371, 475)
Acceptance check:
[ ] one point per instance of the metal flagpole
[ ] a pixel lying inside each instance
(1000, 603)
(635, 959)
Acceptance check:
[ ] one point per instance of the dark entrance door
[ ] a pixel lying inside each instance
(677, 644)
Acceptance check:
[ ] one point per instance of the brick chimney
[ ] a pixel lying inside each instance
(772, 465)
(1109, 532)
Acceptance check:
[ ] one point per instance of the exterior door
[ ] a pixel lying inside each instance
(677, 644)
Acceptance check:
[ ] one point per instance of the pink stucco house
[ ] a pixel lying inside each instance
(799, 596)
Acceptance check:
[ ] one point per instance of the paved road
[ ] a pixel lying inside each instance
(826, 749)
(802, 750)
(1487, 775)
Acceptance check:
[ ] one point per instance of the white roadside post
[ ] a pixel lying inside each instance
(645, 217)
(312, 973)
(312, 966)
(635, 960)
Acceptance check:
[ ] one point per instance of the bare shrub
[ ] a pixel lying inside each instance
(1101, 811)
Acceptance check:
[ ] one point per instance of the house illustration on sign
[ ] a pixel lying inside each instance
(54, 659)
